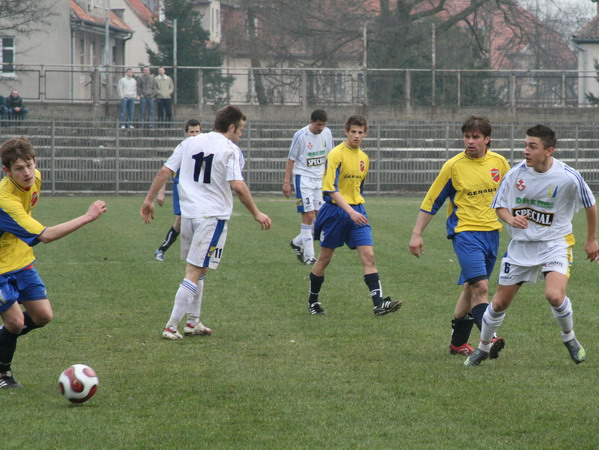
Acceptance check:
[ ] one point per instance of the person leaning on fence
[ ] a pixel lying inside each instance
(127, 89)
(164, 87)
(15, 109)
(146, 91)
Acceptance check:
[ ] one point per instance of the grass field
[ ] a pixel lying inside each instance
(274, 377)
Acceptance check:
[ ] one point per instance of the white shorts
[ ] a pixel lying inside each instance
(525, 262)
(308, 193)
(203, 241)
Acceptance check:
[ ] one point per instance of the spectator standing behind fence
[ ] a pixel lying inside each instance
(164, 87)
(146, 91)
(127, 89)
(14, 106)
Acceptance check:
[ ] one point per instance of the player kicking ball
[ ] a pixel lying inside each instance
(537, 200)
(343, 220)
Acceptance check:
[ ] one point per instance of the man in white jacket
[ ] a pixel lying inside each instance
(127, 89)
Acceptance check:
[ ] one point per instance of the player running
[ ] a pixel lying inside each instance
(537, 200)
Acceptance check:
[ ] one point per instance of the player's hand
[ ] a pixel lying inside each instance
(147, 212)
(519, 222)
(264, 221)
(357, 218)
(160, 198)
(96, 209)
(286, 189)
(416, 245)
(592, 250)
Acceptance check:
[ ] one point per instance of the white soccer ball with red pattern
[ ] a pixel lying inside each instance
(78, 383)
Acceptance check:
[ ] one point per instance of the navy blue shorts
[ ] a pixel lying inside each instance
(21, 286)
(176, 205)
(333, 228)
(476, 252)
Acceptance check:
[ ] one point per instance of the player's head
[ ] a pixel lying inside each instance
(231, 121)
(18, 161)
(545, 134)
(477, 124)
(357, 120)
(477, 136)
(356, 128)
(19, 148)
(193, 127)
(318, 121)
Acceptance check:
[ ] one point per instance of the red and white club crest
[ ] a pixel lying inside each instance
(362, 166)
(520, 185)
(495, 175)
(34, 198)
(310, 146)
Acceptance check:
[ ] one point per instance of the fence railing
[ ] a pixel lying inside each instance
(83, 157)
(405, 88)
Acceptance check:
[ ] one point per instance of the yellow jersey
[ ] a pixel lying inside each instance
(345, 171)
(18, 230)
(470, 185)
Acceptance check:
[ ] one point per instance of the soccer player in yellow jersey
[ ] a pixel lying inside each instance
(469, 181)
(343, 220)
(20, 282)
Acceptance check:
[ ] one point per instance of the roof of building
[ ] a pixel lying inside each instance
(142, 11)
(115, 21)
(589, 32)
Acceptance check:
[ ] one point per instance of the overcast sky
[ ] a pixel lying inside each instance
(587, 6)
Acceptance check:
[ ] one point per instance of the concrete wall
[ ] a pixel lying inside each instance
(337, 114)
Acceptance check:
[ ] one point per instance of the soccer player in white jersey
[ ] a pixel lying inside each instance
(306, 159)
(209, 168)
(537, 200)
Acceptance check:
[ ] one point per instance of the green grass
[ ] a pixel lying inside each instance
(274, 377)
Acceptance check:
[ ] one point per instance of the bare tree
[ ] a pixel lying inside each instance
(331, 33)
(25, 16)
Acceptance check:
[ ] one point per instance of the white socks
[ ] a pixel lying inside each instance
(195, 308)
(184, 297)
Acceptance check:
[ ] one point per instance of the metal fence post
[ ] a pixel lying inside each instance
(576, 133)
(200, 89)
(512, 137)
(304, 91)
(53, 153)
(408, 92)
(248, 161)
(512, 89)
(562, 91)
(446, 142)
(117, 161)
(378, 159)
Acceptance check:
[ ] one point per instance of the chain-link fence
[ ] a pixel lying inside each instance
(82, 157)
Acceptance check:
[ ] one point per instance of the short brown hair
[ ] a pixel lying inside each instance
(358, 120)
(545, 134)
(14, 149)
(229, 115)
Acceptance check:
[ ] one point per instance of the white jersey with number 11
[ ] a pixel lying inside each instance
(206, 163)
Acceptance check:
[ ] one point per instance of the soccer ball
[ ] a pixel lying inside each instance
(78, 383)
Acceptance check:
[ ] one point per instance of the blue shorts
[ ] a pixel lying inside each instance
(333, 228)
(476, 252)
(176, 205)
(21, 286)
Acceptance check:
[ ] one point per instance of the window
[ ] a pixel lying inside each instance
(7, 55)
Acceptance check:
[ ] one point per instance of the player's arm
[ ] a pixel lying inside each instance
(245, 196)
(416, 242)
(514, 221)
(287, 179)
(95, 210)
(147, 208)
(355, 216)
(161, 196)
(592, 247)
